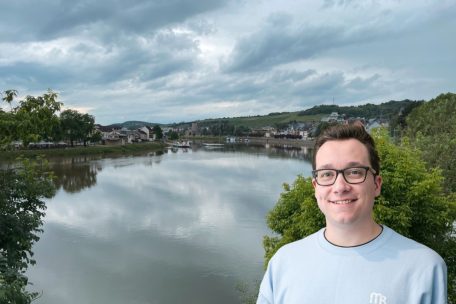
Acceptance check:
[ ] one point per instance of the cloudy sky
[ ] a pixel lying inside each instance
(180, 60)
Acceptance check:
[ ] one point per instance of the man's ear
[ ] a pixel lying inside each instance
(314, 183)
(378, 185)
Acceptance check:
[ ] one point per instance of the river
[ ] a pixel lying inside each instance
(182, 226)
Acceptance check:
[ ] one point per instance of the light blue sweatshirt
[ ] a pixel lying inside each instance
(390, 269)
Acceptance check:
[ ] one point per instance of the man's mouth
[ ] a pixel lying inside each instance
(342, 202)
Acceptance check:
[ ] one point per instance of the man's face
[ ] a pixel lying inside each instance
(343, 203)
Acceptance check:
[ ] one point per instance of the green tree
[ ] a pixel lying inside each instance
(8, 128)
(88, 127)
(8, 96)
(386, 110)
(69, 122)
(96, 136)
(412, 203)
(173, 135)
(21, 216)
(77, 126)
(398, 122)
(158, 132)
(241, 131)
(432, 129)
(8, 121)
(36, 117)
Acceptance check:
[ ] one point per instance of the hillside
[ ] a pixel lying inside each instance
(259, 121)
(390, 110)
(133, 124)
(387, 110)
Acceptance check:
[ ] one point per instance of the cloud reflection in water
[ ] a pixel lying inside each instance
(192, 220)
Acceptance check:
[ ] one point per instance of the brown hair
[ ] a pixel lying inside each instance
(344, 132)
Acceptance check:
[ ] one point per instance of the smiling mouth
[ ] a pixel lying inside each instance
(342, 202)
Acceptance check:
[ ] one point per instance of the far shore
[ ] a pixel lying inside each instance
(105, 150)
(284, 142)
(85, 151)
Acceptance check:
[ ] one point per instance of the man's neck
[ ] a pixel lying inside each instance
(350, 235)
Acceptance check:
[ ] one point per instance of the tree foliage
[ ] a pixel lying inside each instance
(36, 119)
(173, 135)
(8, 128)
(21, 216)
(158, 132)
(8, 97)
(412, 203)
(76, 126)
(432, 128)
(387, 110)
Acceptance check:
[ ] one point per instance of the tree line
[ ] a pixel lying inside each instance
(388, 110)
(35, 119)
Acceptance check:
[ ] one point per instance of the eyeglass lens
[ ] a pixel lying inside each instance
(351, 175)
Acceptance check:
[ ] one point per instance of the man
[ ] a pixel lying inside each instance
(353, 260)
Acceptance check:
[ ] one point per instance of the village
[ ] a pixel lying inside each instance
(305, 131)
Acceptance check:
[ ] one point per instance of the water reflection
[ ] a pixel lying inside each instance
(75, 174)
(181, 227)
(271, 151)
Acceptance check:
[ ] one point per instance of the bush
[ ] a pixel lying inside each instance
(21, 216)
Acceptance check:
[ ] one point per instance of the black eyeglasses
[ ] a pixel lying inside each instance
(352, 175)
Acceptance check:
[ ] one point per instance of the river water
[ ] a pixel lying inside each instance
(182, 226)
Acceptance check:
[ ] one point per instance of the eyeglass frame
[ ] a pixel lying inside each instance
(367, 168)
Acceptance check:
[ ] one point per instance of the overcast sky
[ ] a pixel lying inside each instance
(180, 60)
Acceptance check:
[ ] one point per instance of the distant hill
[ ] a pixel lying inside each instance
(390, 111)
(133, 124)
(387, 110)
(258, 121)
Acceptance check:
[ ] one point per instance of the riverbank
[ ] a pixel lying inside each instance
(263, 141)
(84, 151)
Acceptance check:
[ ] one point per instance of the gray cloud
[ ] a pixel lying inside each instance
(163, 54)
(33, 76)
(285, 38)
(255, 94)
(278, 43)
(177, 60)
(25, 20)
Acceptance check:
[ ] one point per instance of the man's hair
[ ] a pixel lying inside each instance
(345, 132)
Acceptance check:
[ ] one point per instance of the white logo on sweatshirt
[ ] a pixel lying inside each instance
(377, 298)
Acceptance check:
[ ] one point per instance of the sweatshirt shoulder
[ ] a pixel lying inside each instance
(412, 247)
(298, 247)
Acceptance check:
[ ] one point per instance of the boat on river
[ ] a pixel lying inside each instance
(181, 144)
(212, 145)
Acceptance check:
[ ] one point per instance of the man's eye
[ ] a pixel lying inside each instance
(354, 172)
(326, 174)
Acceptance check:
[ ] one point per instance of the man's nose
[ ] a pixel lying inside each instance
(341, 185)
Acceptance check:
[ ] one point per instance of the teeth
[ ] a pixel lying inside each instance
(341, 202)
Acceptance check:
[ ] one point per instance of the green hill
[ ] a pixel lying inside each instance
(272, 120)
(387, 110)
(390, 110)
(133, 124)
